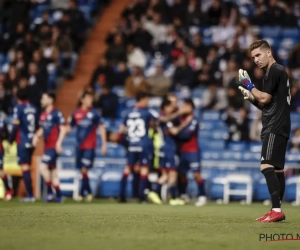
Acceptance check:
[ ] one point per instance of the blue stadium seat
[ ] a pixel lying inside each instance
(212, 144)
(68, 151)
(110, 184)
(290, 188)
(210, 155)
(211, 115)
(273, 32)
(237, 146)
(251, 156)
(295, 117)
(69, 140)
(255, 146)
(261, 191)
(231, 155)
(290, 33)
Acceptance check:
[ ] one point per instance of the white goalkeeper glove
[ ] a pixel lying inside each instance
(247, 94)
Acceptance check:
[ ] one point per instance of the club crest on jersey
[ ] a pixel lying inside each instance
(89, 115)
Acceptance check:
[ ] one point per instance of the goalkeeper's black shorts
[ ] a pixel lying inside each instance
(273, 150)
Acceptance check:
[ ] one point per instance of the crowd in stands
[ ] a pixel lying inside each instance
(198, 46)
(39, 44)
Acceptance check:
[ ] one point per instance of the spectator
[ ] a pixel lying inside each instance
(183, 75)
(45, 32)
(295, 141)
(214, 98)
(49, 52)
(203, 76)
(294, 58)
(230, 72)
(194, 61)
(223, 33)
(41, 62)
(103, 71)
(107, 103)
(274, 13)
(178, 10)
(68, 58)
(200, 48)
(78, 24)
(140, 37)
(193, 14)
(36, 79)
(238, 127)
(290, 20)
(135, 56)
(64, 24)
(159, 84)
(235, 98)
(214, 13)
(156, 28)
(28, 46)
(44, 22)
(244, 35)
(116, 52)
(121, 74)
(135, 83)
(12, 77)
(18, 60)
(295, 102)
(5, 99)
(18, 34)
(256, 128)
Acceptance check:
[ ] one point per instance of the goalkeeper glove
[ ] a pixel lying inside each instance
(245, 80)
(247, 94)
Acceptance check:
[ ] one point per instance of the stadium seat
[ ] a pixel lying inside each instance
(255, 146)
(211, 115)
(292, 191)
(290, 33)
(273, 32)
(110, 184)
(261, 191)
(68, 151)
(72, 186)
(212, 144)
(240, 179)
(237, 146)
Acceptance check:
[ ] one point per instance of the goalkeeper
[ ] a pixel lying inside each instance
(273, 98)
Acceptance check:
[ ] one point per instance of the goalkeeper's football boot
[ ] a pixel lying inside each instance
(274, 217)
(263, 217)
(8, 195)
(176, 202)
(154, 198)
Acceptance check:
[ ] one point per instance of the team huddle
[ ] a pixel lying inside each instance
(178, 130)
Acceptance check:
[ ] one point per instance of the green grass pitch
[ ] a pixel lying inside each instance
(105, 225)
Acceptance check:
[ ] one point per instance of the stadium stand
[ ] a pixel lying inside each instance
(194, 50)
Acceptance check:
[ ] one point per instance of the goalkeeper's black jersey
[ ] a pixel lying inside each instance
(276, 114)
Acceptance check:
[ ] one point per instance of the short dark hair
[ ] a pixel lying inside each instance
(22, 94)
(141, 95)
(51, 94)
(263, 44)
(85, 93)
(165, 102)
(190, 102)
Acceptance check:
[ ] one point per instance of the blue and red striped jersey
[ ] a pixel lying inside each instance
(26, 116)
(189, 137)
(86, 123)
(50, 122)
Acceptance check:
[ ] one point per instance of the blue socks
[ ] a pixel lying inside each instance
(173, 192)
(85, 186)
(158, 189)
(49, 188)
(58, 192)
(142, 186)
(123, 185)
(27, 182)
(201, 188)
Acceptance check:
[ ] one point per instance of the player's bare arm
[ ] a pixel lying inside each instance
(38, 134)
(262, 97)
(60, 139)
(103, 139)
(176, 130)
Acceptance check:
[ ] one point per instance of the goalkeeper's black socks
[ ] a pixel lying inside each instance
(273, 186)
(281, 180)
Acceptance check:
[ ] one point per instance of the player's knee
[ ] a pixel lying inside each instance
(163, 178)
(264, 166)
(84, 170)
(25, 167)
(127, 170)
(144, 171)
